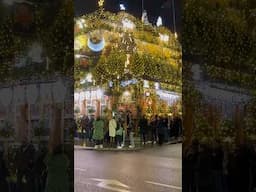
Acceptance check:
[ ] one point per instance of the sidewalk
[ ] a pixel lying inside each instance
(137, 147)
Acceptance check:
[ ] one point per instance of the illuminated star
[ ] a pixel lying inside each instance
(101, 3)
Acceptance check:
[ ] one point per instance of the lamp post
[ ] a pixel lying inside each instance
(174, 18)
(142, 5)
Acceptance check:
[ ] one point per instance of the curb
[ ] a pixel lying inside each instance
(107, 149)
(78, 147)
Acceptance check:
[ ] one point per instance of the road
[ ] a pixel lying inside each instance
(153, 170)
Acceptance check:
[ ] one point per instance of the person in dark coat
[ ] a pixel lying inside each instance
(143, 125)
(153, 126)
(25, 165)
(161, 130)
(90, 127)
(166, 135)
(3, 173)
(85, 130)
(176, 126)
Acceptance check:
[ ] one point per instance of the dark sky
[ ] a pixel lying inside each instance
(153, 7)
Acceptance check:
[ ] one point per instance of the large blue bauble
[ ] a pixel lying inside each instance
(96, 47)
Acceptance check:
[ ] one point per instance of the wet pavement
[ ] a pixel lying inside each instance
(153, 170)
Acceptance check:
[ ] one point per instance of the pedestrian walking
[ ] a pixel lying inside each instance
(98, 132)
(112, 131)
(57, 165)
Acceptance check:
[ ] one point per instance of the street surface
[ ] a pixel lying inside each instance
(152, 170)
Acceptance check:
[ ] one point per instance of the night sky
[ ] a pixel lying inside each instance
(154, 9)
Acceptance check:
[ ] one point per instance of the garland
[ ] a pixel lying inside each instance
(162, 61)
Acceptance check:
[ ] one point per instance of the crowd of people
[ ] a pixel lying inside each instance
(34, 170)
(120, 131)
(219, 166)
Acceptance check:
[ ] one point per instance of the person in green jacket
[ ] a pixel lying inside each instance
(98, 132)
(57, 171)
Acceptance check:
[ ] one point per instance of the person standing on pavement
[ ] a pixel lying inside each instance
(153, 126)
(131, 130)
(112, 131)
(98, 132)
(161, 130)
(119, 134)
(84, 125)
(166, 135)
(124, 134)
(90, 127)
(143, 124)
(177, 126)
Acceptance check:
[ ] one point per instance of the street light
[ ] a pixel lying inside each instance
(174, 17)
(122, 7)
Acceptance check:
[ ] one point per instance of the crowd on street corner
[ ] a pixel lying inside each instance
(127, 131)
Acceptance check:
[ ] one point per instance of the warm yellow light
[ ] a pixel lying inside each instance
(80, 42)
(126, 93)
(101, 3)
(164, 37)
(175, 35)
